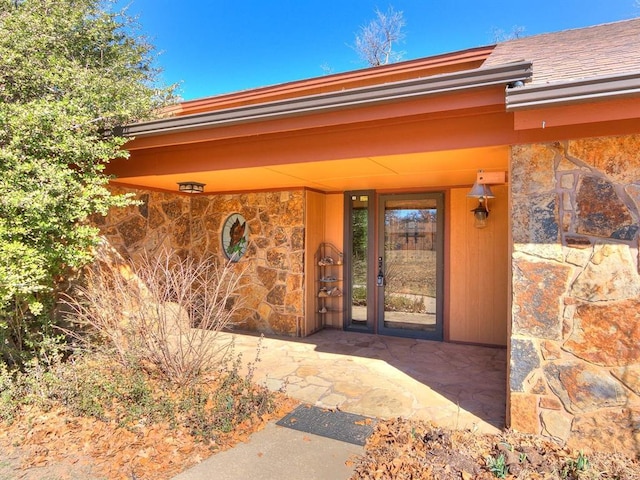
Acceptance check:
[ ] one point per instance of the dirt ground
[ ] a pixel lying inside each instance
(55, 446)
(402, 449)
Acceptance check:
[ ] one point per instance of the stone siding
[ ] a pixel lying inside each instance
(274, 259)
(575, 333)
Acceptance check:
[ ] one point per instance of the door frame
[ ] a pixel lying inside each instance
(370, 326)
(375, 234)
(438, 333)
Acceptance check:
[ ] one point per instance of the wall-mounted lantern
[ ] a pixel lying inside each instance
(483, 193)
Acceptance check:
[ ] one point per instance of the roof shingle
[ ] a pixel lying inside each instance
(606, 49)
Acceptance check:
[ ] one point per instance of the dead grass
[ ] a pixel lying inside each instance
(412, 272)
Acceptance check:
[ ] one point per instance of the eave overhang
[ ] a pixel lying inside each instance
(555, 94)
(334, 101)
(393, 72)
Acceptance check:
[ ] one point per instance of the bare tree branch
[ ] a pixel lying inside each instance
(375, 42)
(499, 35)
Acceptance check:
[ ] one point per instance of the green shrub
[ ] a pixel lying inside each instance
(70, 71)
(359, 296)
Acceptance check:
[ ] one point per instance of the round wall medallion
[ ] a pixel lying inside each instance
(235, 237)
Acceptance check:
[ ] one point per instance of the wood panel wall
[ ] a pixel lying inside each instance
(334, 233)
(478, 270)
(314, 236)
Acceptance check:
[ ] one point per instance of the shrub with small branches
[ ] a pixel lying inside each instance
(162, 312)
(96, 386)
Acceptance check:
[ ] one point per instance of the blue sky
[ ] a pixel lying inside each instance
(219, 46)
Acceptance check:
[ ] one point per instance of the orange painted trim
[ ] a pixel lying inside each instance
(391, 191)
(420, 133)
(116, 183)
(446, 254)
(579, 114)
(130, 186)
(460, 103)
(572, 132)
(444, 63)
(417, 134)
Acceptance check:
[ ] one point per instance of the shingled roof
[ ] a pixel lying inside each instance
(607, 49)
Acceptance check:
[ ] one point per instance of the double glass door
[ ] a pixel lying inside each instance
(394, 252)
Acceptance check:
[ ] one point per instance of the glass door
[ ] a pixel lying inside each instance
(359, 255)
(410, 265)
(394, 263)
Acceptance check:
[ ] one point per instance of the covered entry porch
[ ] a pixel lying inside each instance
(284, 159)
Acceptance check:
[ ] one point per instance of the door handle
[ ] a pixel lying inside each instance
(380, 278)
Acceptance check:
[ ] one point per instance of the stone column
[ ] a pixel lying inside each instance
(575, 331)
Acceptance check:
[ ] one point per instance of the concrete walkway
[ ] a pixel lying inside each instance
(456, 386)
(279, 453)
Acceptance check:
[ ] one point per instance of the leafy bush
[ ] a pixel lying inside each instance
(359, 296)
(71, 71)
(31, 385)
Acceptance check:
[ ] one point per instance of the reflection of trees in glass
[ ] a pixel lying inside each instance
(410, 229)
(360, 223)
(410, 265)
(410, 257)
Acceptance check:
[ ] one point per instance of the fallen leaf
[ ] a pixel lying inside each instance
(366, 421)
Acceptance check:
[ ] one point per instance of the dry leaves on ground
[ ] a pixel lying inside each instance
(402, 449)
(58, 445)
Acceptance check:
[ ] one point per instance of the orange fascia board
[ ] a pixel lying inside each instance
(578, 114)
(388, 96)
(480, 101)
(445, 63)
(410, 135)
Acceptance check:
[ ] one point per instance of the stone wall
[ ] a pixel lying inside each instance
(274, 259)
(575, 333)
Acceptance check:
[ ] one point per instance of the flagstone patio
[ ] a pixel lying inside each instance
(457, 386)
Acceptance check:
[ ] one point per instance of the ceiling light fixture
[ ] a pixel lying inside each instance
(191, 187)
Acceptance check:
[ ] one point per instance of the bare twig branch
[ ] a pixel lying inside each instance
(376, 41)
(163, 312)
